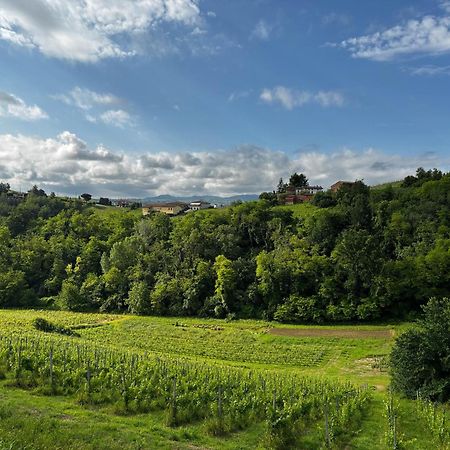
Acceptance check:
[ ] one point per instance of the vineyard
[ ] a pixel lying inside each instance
(211, 402)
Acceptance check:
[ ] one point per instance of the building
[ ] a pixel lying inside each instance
(170, 208)
(122, 203)
(199, 204)
(336, 186)
(295, 195)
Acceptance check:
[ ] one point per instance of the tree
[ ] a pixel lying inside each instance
(103, 201)
(4, 188)
(298, 180)
(281, 187)
(324, 200)
(420, 358)
(225, 285)
(271, 197)
(14, 290)
(37, 192)
(139, 298)
(86, 197)
(69, 298)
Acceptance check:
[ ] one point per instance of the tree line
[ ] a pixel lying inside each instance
(360, 254)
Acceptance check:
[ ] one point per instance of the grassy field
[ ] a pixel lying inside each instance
(357, 354)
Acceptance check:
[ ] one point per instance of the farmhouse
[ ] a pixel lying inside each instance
(170, 208)
(199, 204)
(336, 186)
(295, 195)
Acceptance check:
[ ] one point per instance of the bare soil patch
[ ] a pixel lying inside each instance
(331, 332)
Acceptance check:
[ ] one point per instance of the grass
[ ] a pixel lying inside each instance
(246, 343)
(35, 422)
(300, 210)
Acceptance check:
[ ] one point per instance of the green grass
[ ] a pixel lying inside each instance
(246, 343)
(300, 210)
(115, 212)
(394, 184)
(241, 343)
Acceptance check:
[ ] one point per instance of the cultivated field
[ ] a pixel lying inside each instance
(142, 382)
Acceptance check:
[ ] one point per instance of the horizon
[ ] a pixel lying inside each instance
(196, 97)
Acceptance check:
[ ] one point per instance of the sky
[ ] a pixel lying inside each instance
(136, 98)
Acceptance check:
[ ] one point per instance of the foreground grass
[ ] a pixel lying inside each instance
(31, 421)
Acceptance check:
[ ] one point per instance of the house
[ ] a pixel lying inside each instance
(122, 203)
(295, 195)
(199, 204)
(14, 197)
(336, 186)
(17, 195)
(170, 208)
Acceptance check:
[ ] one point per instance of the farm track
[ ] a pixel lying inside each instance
(323, 332)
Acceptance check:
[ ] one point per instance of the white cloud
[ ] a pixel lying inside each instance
(66, 164)
(12, 106)
(445, 5)
(86, 99)
(116, 117)
(427, 35)
(292, 98)
(238, 95)
(261, 31)
(88, 30)
(430, 70)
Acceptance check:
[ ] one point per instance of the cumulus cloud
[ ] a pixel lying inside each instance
(88, 30)
(292, 98)
(66, 164)
(427, 35)
(12, 106)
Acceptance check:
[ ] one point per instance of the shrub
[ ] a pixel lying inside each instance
(47, 327)
(299, 310)
(420, 358)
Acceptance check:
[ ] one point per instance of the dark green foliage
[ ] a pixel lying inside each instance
(48, 327)
(271, 197)
(298, 180)
(4, 187)
(420, 359)
(300, 310)
(324, 200)
(361, 254)
(86, 197)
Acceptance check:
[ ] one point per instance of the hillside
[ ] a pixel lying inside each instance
(360, 254)
(347, 358)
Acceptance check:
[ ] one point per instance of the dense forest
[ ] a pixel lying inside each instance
(359, 254)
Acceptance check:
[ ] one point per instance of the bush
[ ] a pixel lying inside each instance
(47, 327)
(420, 358)
(299, 310)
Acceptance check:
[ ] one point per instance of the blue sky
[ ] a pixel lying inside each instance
(144, 97)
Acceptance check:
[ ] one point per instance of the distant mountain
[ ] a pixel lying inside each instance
(207, 198)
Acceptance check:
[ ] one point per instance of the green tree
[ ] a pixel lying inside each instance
(139, 298)
(298, 180)
(69, 298)
(420, 358)
(4, 188)
(225, 286)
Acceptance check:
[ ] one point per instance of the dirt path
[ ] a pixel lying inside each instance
(332, 332)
